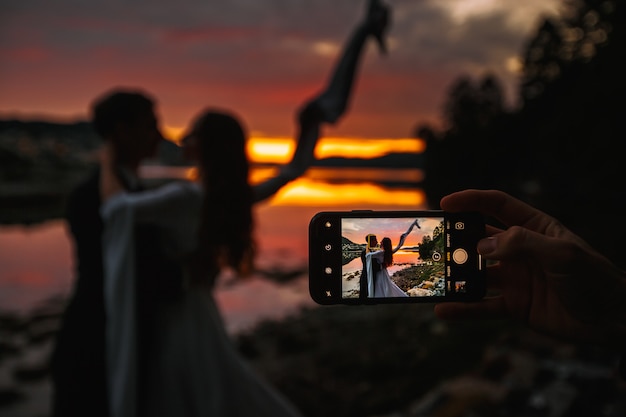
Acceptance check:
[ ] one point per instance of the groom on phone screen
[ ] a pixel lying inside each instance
(372, 245)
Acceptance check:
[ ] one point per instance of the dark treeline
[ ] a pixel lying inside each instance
(563, 148)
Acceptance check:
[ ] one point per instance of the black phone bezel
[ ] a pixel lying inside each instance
(325, 252)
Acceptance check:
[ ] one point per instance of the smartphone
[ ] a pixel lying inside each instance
(371, 257)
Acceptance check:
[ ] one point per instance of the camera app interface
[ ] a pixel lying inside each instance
(394, 257)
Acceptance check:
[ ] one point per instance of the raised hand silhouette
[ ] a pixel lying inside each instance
(378, 17)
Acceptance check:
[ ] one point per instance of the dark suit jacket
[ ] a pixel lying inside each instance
(363, 293)
(78, 366)
(78, 361)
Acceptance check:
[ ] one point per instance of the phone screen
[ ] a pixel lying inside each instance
(411, 265)
(395, 257)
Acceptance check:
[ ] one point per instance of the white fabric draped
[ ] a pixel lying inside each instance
(382, 285)
(197, 370)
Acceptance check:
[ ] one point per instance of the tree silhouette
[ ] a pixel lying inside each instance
(461, 156)
(572, 117)
(563, 150)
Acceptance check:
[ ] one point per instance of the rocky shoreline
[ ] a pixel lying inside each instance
(400, 361)
(384, 360)
(421, 280)
(416, 280)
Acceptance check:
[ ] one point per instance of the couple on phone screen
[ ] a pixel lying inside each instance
(375, 280)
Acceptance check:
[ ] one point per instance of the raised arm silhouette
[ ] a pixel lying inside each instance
(331, 104)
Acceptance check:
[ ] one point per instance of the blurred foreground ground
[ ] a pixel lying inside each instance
(372, 361)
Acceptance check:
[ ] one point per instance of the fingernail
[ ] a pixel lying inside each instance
(488, 245)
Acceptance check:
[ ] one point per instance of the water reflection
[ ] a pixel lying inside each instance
(348, 195)
(377, 175)
(35, 264)
(329, 186)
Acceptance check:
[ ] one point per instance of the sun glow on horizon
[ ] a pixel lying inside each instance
(279, 150)
(173, 133)
(270, 150)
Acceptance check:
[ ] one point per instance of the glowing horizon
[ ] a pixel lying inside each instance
(279, 150)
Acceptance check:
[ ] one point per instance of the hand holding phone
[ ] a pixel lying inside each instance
(369, 257)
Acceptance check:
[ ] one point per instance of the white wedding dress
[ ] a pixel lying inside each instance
(198, 371)
(383, 285)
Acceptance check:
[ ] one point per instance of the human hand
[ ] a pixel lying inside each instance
(378, 17)
(546, 276)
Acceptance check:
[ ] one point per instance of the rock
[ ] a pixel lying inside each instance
(419, 292)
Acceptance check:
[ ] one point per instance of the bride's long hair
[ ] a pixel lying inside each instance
(226, 225)
(388, 252)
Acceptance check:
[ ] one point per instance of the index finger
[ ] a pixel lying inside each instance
(499, 205)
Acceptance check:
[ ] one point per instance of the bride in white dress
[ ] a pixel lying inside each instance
(208, 227)
(382, 285)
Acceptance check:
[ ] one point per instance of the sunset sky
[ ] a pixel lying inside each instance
(261, 59)
(357, 229)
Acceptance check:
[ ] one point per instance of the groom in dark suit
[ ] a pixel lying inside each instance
(126, 119)
(372, 245)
